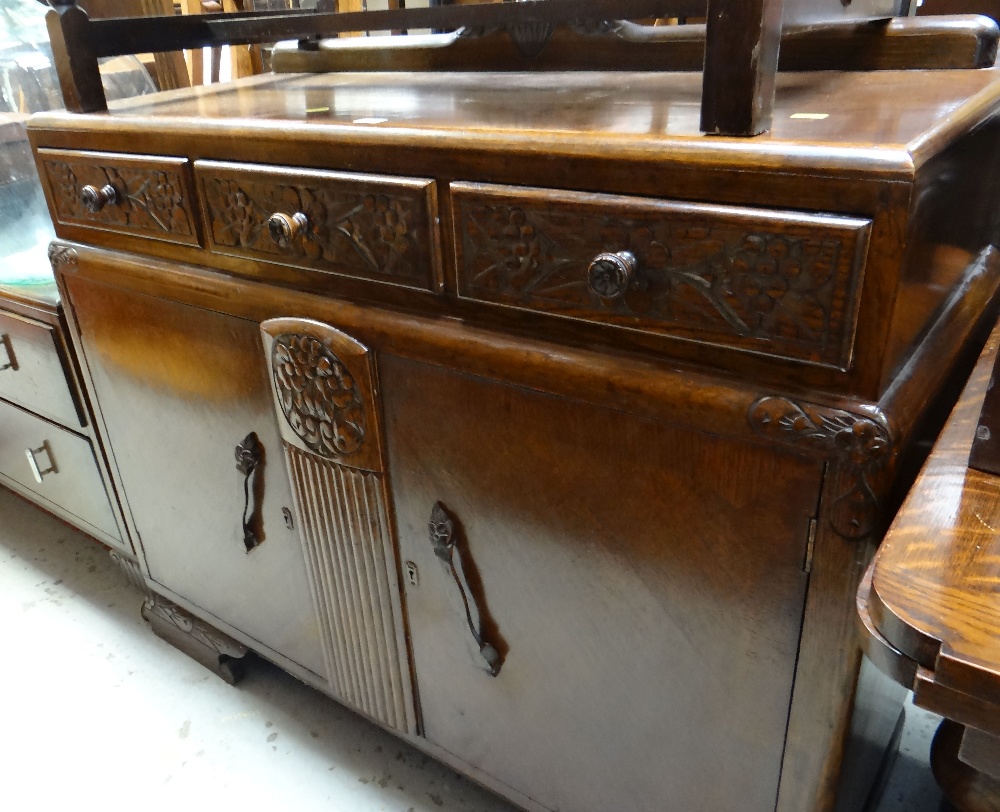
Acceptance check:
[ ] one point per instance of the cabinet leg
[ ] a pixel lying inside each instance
(216, 651)
(966, 789)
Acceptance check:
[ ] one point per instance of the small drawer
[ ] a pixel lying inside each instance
(777, 282)
(55, 465)
(32, 372)
(147, 196)
(364, 226)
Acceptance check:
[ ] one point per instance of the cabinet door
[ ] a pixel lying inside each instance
(641, 586)
(179, 389)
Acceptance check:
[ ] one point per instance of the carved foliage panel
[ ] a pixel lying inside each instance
(782, 283)
(860, 443)
(324, 392)
(370, 227)
(152, 196)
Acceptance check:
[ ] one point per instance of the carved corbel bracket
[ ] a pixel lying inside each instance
(861, 443)
(62, 256)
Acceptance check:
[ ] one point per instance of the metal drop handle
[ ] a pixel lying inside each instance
(442, 535)
(249, 456)
(610, 275)
(7, 359)
(94, 199)
(37, 471)
(285, 229)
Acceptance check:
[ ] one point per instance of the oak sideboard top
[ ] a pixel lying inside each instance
(887, 121)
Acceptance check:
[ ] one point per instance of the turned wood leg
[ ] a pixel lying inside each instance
(966, 789)
(216, 651)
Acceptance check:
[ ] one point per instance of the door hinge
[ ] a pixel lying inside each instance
(807, 565)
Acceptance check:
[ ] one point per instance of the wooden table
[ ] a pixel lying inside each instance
(930, 604)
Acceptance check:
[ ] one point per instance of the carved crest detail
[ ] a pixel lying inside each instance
(318, 396)
(862, 442)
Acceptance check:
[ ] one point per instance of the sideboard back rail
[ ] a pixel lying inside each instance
(741, 48)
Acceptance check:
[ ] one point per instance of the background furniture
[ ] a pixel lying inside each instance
(929, 603)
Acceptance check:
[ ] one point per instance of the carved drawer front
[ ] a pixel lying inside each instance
(147, 196)
(778, 282)
(324, 393)
(32, 372)
(356, 225)
(56, 467)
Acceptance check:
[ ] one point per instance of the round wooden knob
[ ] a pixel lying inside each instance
(284, 229)
(95, 199)
(610, 275)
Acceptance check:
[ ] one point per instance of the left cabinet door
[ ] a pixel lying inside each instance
(180, 388)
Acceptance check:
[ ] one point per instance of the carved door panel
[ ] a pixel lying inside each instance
(604, 610)
(185, 397)
(325, 398)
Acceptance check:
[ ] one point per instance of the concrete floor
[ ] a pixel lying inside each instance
(99, 713)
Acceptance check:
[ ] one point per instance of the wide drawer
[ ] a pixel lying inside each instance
(365, 226)
(778, 282)
(32, 372)
(148, 196)
(56, 465)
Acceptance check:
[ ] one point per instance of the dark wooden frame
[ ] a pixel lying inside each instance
(741, 53)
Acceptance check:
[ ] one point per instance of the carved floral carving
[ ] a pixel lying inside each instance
(318, 396)
(790, 286)
(150, 199)
(862, 442)
(62, 256)
(344, 226)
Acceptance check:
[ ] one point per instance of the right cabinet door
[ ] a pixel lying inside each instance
(642, 587)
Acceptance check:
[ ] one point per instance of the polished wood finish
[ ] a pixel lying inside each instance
(150, 196)
(598, 532)
(928, 604)
(601, 546)
(327, 409)
(782, 283)
(358, 225)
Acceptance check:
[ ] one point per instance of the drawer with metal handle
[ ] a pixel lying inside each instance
(143, 195)
(56, 468)
(362, 226)
(32, 373)
(782, 283)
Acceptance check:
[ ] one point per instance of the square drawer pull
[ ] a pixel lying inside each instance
(37, 472)
(7, 359)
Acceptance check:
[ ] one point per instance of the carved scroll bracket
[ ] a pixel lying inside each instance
(862, 443)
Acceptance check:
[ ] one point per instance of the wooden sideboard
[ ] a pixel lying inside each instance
(516, 414)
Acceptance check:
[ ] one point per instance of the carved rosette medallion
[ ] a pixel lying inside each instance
(318, 396)
(62, 256)
(862, 442)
